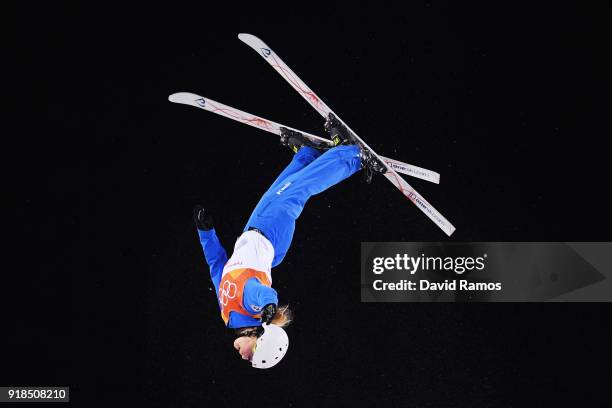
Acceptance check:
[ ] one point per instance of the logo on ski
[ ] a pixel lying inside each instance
(266, 52)
(201, 102)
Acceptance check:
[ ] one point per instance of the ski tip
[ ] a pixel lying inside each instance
(252, 41)
(245, 36)
(184, 97)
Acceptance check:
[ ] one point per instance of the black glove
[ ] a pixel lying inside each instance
(203, 220)
(268, 313)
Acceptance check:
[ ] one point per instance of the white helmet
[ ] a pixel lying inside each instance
(271, 346)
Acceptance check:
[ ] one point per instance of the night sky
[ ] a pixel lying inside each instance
(110, 294)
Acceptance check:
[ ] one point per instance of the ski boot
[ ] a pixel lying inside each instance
(340, 135)
(370, 165)
(295, 140)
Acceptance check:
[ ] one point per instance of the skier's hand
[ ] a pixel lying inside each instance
(268, 313)
(203, 220)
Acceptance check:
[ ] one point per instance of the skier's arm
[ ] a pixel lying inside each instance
(257, 296)
(215, 255)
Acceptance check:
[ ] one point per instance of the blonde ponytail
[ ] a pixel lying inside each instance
(283, 316)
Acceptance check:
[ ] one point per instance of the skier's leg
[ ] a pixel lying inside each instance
(301, 159)
(329, 169)
(276, 217)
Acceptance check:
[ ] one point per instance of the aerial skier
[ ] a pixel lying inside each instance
(243, 283)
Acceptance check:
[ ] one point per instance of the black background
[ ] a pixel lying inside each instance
(105, 286)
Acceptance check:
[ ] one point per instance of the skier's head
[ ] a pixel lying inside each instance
(264, 346)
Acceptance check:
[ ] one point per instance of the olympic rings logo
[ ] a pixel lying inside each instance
(227, 291)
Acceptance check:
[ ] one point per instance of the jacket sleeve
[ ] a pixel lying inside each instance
(215, 255)
(256, 295)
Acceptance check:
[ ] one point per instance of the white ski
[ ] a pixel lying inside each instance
(198, 101)
(412, 170)
(270, 56)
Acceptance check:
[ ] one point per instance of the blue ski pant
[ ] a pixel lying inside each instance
(309, 173)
